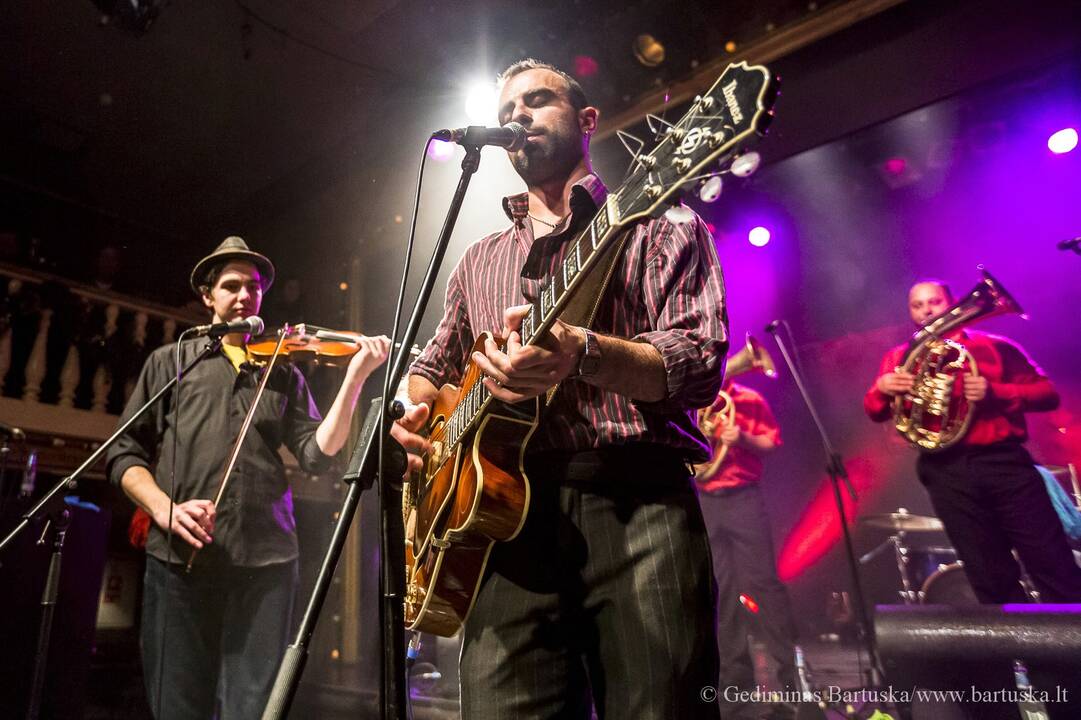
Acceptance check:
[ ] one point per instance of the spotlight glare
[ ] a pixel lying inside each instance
(1063, 141)
(480, 103)
(758, 236)
(441, 151)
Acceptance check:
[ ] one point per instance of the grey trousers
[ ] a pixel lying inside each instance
(216, 653)
(605, 598)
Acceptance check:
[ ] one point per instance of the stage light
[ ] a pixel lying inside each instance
(758, 236)
(440, 151)
(648, 50)
(895, 165)
(711, 189)
(480, 103)
(1063, 141)
(585, 66)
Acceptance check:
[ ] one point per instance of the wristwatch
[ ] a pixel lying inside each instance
(590, 361)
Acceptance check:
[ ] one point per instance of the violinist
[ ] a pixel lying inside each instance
(212, 638)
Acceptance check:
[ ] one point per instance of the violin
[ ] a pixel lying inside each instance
(310, 343)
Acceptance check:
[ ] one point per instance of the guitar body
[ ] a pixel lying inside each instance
(474, 496)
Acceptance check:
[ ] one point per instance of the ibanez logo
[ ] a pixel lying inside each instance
(729, 91)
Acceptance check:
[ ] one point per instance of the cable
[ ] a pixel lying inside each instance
(405, 351)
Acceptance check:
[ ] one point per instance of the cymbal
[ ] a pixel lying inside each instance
(903, 522)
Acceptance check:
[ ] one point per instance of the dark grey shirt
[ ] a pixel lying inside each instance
(255, 524)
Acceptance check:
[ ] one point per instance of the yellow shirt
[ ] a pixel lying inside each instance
(236, 355)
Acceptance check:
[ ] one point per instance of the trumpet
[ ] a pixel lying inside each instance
(931, 416)
(750, 358)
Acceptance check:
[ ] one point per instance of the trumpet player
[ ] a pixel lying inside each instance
(742, 430)
(984, 487)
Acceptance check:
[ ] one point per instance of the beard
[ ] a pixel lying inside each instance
(551, 159)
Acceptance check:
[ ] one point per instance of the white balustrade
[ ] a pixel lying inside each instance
(35, 366)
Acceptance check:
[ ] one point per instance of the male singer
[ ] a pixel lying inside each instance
(606, 594)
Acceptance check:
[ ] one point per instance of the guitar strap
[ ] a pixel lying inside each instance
(581, 310)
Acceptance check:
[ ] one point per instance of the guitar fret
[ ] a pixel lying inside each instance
(593, 233)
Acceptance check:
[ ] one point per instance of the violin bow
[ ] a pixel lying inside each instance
(285, 331)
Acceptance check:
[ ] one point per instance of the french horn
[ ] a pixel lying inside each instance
(752, 357)
(934, 415)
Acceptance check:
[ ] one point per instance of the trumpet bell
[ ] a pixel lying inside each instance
(751, 357)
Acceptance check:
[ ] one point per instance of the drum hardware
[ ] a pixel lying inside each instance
(906, 557)
(903, 521)
(1067, 477)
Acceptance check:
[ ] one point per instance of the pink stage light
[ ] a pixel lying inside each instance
(1063, 141)
(585, 66)
(758, 236)
(895, 165)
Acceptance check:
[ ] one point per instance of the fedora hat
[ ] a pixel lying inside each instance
(232, 248)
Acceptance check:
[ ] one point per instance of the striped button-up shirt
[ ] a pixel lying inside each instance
(667, 290)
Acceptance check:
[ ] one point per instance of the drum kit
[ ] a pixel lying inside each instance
(931, 574)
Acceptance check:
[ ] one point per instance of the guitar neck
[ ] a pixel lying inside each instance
(582, 256)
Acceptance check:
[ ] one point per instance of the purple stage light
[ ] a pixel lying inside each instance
(1063, 141)
(758, 236)
(441, 151)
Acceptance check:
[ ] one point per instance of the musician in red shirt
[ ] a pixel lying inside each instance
(739, 532)
(985, 489)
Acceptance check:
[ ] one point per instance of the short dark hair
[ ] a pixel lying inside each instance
(574, 90)
(213, 272)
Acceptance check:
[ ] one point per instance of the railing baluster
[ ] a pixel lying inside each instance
(69, 378)
(35, 366)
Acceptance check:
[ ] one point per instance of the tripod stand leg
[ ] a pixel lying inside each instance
(48, 609)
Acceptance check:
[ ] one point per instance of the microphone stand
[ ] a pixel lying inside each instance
(51, 505)
(361, 475)
(836, 468)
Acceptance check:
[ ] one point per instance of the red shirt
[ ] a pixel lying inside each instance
(1016, 385)
(741, 466)
(666, 290)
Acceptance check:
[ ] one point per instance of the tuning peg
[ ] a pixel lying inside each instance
(681, 165)
(746, 164)
(706, 103)
(710, 189)
(679, 214)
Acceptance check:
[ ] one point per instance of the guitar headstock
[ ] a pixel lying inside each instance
(736, 109)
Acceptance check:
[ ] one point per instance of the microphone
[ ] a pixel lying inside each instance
(772, 327)
(251, 325)
(511, 136)
(12, 432)
(1074, 244)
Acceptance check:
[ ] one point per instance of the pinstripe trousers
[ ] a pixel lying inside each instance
(606, 597)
